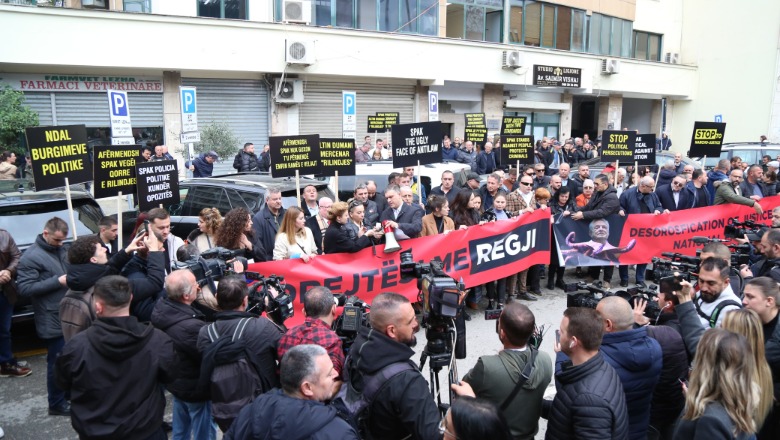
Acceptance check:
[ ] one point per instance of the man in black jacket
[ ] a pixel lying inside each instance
(246, 160)
(402, 407)
(267, 221)
(182, 323)
(114, 369)
(590, 399)
(405, 220)
(296, 411)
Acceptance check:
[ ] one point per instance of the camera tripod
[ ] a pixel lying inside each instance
(440, 353)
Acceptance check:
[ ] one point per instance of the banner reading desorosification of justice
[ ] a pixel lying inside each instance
(477, 255)
(636, 238)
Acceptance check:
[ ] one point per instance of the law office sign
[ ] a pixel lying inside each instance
(557, 76)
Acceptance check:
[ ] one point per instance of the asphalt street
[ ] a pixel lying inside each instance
(23, 407)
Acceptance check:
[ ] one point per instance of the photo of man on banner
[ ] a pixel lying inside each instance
(590, 243)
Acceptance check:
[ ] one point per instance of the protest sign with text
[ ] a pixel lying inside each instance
(291, 153)
(337, 155)
(617, 145)
(59, 152)
(115, 169)
(416, 142)
(476, 128)
(644, 150)
(707, 139)
(513, 125)
(157, 184)
(517, 149)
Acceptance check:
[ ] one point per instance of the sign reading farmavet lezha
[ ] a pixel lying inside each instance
(556, 76)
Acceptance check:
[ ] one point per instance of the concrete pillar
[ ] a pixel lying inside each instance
(655, 118)
(421, 100)
(565, 125)
(284, 119)
(610, 112)
(172, 114)
(493, 106)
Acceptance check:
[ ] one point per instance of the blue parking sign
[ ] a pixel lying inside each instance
(118, 103)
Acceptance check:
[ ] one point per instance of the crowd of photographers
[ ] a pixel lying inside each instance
(119, 323)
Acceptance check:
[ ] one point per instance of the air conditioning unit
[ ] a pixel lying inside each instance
(512, 59)
(289, 91)
(610, 66)
(672, 58)
(93, 3)
(296, 11)
(300, 52)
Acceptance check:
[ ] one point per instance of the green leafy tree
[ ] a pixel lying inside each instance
(14, 118)
(218, 137)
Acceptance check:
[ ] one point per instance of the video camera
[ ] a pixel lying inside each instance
(685, 265)
(740, 253)
(440, 292)
(268, 295)
(210, 266)
(354, 315)
(585, 295)
(737, 229)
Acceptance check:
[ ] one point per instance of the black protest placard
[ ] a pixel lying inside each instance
(517, 148)
(416, 142)
(707, 139)
(337, 155)
(617, 145)
(513, 125)
(115, 169)
(389, 118)
(157, 184)
(290, 153)
(59, 152)
(376, 124)
(476, 128)
(644, 150)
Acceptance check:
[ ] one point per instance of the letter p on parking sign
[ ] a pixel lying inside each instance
(118, 103)
(119, 115)
(433, 106)
(189, 109)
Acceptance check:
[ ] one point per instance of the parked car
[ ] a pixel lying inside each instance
(23, 213)
(596, 166)
(750, 152)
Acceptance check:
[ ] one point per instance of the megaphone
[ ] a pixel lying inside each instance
(391, 244)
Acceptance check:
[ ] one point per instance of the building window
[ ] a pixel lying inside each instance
(609, 36)
(144, 6)
(235, 9)
(647, 46)
(410, 16)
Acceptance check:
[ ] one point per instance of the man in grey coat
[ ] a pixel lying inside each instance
(41, 277)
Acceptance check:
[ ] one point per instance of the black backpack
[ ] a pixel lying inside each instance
(229, 375)
(353, 405)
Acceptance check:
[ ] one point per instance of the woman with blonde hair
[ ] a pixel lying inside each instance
(747, 323)
(722, 397)
(294, 239)
(205, 237)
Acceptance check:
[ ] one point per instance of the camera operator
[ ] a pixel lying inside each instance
(320, 311)
(402, 407)
(721, 251)
(769, 266)
(711, 303)
(506, 379)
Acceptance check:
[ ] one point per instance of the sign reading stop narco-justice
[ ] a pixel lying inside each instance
(707, 139)
(157, 183)
(115, 169)
(58, 152)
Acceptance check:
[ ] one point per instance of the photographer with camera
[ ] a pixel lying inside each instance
(516, 378)
(402, 407)
(320, 311)
(769, 266)
(711, 303)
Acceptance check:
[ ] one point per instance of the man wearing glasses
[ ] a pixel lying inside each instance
(674, 197)
(540, 180)
(733, 194)
(641, 200)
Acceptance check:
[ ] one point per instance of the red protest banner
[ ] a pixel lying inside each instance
(636, 238)
(477, 255)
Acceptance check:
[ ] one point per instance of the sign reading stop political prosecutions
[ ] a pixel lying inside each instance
(58, 152)
(115, 169)
(556, 76)
(707, 139)
(517, 148)
(476, 129)
(416, 142)
(157, 184)
(618, 145)
(337, 155)
(290, 153)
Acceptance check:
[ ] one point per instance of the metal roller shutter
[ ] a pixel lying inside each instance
(321, 114)
(91, 109)
(41, 104)
(242, 104)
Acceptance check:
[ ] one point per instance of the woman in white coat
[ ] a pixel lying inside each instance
(294, 239)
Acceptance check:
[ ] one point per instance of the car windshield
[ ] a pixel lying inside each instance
(17, 219)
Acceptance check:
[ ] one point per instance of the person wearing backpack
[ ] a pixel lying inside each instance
(239, 353)
(178, 319)
(114, 370)
(516, 378)
(297, 410)
(401, 405)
